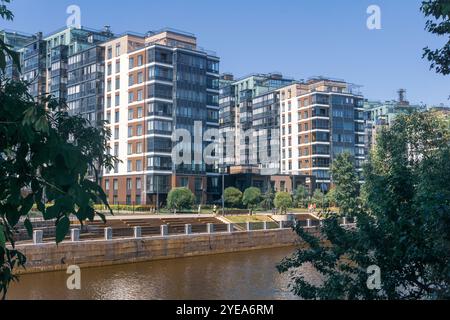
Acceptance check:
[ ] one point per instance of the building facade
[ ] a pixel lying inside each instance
(16, 41)
(320, 119)
(236, 115)
(156, 84)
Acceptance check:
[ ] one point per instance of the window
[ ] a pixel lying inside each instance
(129, 184)
(130, 131)
(107, 186)
(184, 182)
(138, 184)
(109, 69)
(117, 66)
(140, 60)
(109, 52)
(131, 62)
(139, 130)
(130, 114)
(116, 134)
(140, 77)
(130, 149)
(139, 147)
(138, 165)
(139, 95)
(116, 185)
(129, 166)
(117, 100)
(130, 97)
(108, 102)
(109, 86)
(117, 83)
(131, 80)
(117, 117)
(140, 112)
(117, 49)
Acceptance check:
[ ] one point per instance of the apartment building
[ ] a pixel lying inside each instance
(320, 119)
(236, 114)
(155, 84)
(383, 114)
(16, 41)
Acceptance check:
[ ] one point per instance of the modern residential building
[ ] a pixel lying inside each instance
(320, 119)
(236, 114)
(381, 114)
(155, 84)
(15, 41)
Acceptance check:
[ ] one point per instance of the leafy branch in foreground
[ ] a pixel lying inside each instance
(48, 160)
(403, 223)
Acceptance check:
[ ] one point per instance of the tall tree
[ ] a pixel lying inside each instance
(438, 12)
(403, 228)
(345, 178)
(45, 158)
(251, 198)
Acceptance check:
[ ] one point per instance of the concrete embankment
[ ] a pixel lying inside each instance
(97, 253)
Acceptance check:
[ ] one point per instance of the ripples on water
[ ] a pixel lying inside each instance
(245, 275)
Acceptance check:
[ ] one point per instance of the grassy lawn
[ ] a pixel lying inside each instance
(247, 218)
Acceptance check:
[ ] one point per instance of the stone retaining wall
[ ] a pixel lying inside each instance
(49, 257)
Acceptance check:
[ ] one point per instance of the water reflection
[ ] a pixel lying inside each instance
(247, 275)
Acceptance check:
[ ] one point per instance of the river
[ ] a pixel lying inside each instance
(245, 275)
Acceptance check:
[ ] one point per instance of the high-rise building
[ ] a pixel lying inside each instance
(236, 115)
(320, 119)
(155, 84)
(15, 41)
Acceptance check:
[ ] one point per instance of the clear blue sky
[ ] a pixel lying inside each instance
(300, 38)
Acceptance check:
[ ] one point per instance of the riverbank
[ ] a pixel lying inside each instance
(47, 257)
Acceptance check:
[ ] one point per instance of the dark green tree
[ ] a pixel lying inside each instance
(268, 199)
(180, 199)
(438, 12)
(345, 179)
(283, 201)
(233, 197)
(251, 198)
(403, 228)
(301, 197)
(319, 199)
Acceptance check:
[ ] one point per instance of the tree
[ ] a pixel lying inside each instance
(438, 12)
(318, 198)
(233, 197)
(403, 227)
(45, 158)
(251, 198)
(283, 201)
(301, 197)
(180, 199)
(345, 178)
(268, 199)
(330, 197)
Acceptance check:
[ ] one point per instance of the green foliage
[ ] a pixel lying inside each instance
(251, 198)
(330, 197)
(45, 156)
(283, 201)
(438, 12)
(233, 197)
(180, 198)
(301, 197)
(403, 227)
(319, 199)
(345, 178)
(268, 199)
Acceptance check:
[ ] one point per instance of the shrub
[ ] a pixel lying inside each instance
(233, 197)
(283, 201)
(180, 198)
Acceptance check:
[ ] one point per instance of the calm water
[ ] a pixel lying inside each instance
(247, 275)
